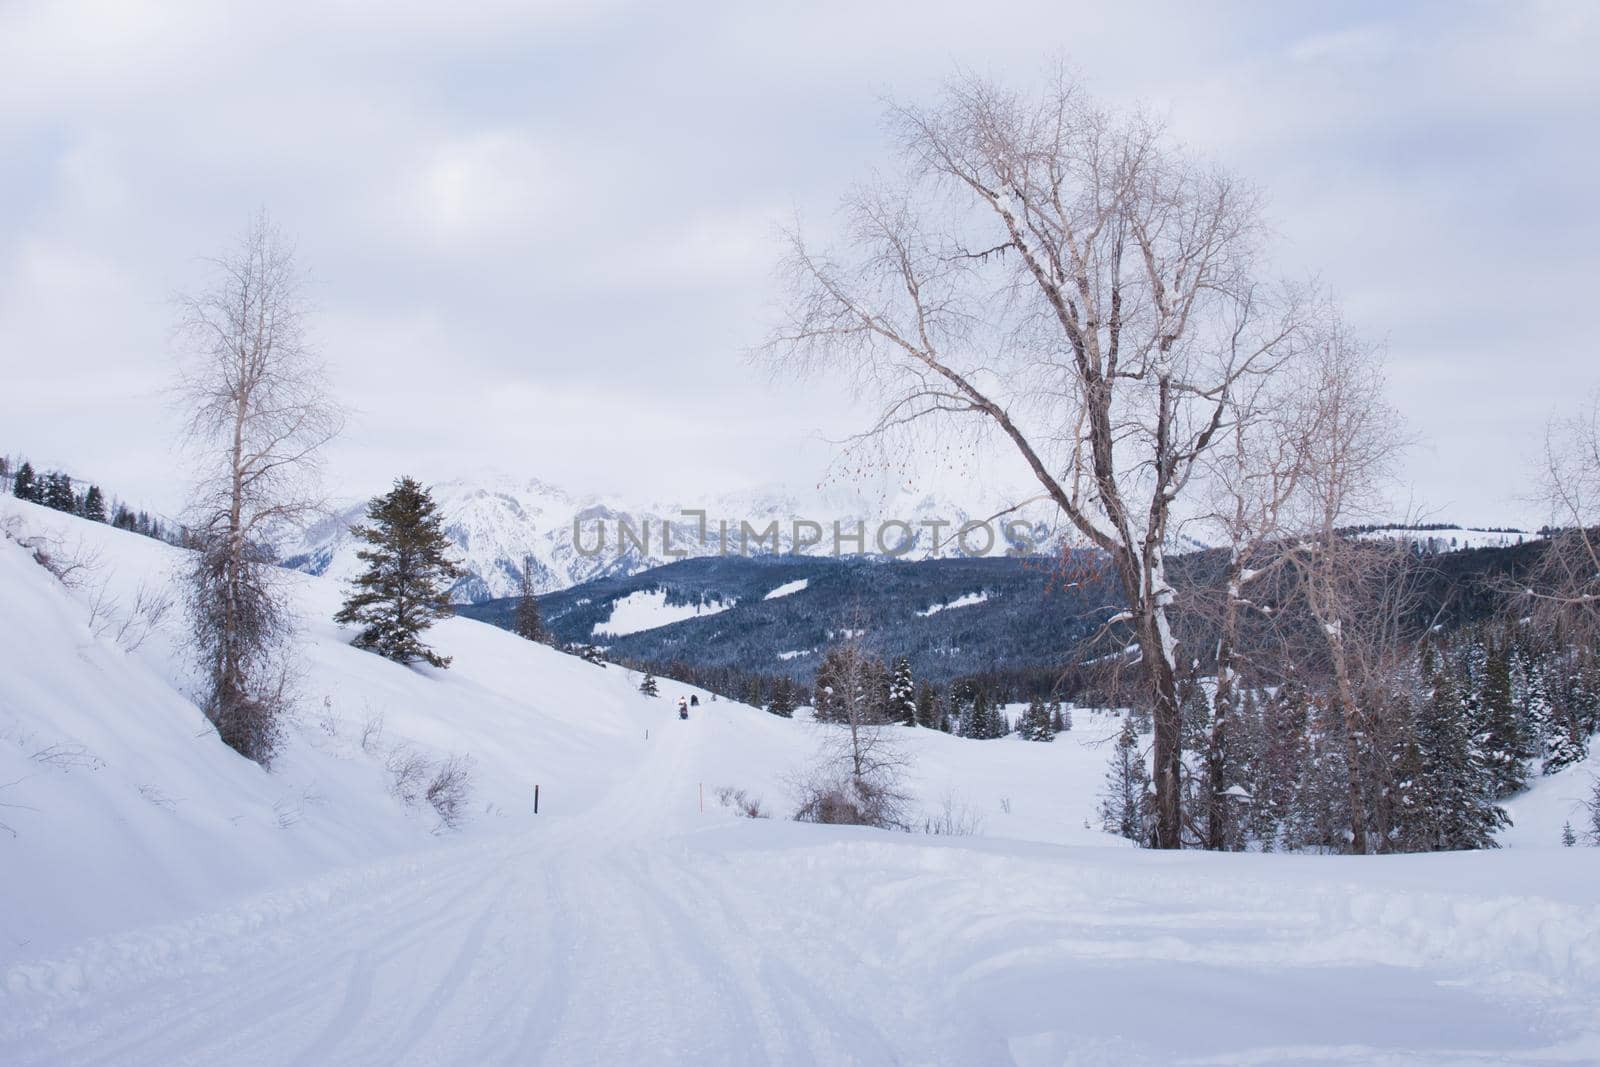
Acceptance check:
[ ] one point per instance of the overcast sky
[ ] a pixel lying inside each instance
(542, 235)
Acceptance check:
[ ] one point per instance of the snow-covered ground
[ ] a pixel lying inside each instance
(788, 589)
(647, 609)
(165, 902)
(966, 600)
(1452, 538)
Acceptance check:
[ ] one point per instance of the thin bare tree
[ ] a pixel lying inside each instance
(861, 760)
(1352, 440)
(1565, 586)
(1252, 478)
(257, 415)
(1067, 278)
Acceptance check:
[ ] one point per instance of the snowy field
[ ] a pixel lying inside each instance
(163, 901)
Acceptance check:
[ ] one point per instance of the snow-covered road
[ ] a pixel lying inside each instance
(639, 932)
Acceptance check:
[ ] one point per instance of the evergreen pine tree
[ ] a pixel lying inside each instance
(927, 707)
(1450, 796)
(1195, 710)
(1124, 806)
(58, 493)
(405, 587)
(526, 621)
(1036, 723)
(782, 701)
(25, 486)
(902, 703)
(1568, 838)
(1594, 812)
(982, 723)
(94, 505)
(648, 685)
(1505, 749)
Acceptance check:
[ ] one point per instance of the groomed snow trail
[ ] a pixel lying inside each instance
(592, 939)
(637, 932)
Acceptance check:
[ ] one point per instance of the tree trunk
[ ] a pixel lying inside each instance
(1168, 730)
(1352, 747)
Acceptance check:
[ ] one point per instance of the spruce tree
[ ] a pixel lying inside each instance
(648, 685)
(58, 493)
(1505, 749)
(1451, 793)
(927, 708)
(526, 621)
(782, 701)
(1124, 806)
(902, 703)
(1568, 837)
(24, 486)
(94, 505)
(405, 588)
(1036, 724)
(980, 724)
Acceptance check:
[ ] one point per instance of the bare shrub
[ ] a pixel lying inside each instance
(372, 733)
(102, 610)
(71, 567)
(447, 793)
(408, 773)
(150, 606)
(842, 799)
(954, 818)
(741, 802)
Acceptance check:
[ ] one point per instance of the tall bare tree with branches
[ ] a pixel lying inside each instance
(257, 415)
(1072, 281)
(1351, 441)
(1252, 479)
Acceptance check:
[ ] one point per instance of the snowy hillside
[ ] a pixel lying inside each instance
(165, 902)
(1447, 538)
(494, 521)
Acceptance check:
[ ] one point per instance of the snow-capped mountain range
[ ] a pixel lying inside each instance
(495, 521)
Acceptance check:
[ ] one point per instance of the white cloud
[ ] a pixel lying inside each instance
(546, 229)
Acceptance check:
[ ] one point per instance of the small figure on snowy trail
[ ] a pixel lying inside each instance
(694, 700)
(683, 708)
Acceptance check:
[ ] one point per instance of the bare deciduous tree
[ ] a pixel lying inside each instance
(257, 415)
(1351, 442)
(1081, 288)
(861, 760)
(1252, 476)
(1566, 584)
